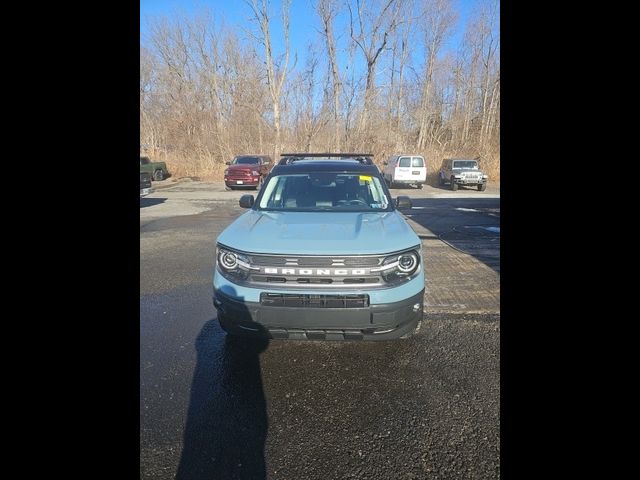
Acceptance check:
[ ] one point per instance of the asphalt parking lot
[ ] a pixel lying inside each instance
(427, 407)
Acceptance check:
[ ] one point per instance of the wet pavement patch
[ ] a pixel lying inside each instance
(482, 241)
(474, 228)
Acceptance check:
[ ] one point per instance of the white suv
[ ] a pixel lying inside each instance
(405, 169)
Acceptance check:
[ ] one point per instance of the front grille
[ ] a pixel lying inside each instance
(315, 280)
(313, 301)
(315, 272)
(310, 261)
(243, 175)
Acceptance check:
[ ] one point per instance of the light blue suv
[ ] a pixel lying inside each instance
(322, 253)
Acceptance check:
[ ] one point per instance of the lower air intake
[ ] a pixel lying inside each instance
(313, 301)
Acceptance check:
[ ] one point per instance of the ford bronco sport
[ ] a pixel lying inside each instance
(322, 253)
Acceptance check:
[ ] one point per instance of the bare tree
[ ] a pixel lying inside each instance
(147, 73)
(371, 34)
(489, 45)
(207, 94)
(328, 9)
(275, 80)
(309, 113)
(397, 93)
(438, 19)
(351, 86)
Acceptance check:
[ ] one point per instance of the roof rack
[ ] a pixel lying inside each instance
(288, 158)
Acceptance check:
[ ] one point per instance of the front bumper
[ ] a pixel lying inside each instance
(375, 322)
(246, 182)
(469, 181)
(146, 191)
(416, 181)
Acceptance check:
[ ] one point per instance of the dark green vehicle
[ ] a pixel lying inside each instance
(158, 170)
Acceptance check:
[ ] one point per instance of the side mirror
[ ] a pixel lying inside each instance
(227, 163)
(403, 201)
(385, 163)
(246, 201)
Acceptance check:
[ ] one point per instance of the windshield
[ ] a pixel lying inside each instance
(324, 191)
(465, 164)
(245, 160)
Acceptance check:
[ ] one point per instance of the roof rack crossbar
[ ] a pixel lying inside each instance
(288, 158)
(350, 155)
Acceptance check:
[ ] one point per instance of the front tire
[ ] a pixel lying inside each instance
(454, 185)
(482, 187)
(412, 332)
(158, 175)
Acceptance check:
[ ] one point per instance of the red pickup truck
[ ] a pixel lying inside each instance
(247, 171)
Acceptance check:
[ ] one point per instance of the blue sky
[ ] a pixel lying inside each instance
(304, 23)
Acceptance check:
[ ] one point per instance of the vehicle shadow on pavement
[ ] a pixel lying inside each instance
(149, 202)
(447, 187)
(226, 425)
(469, 225)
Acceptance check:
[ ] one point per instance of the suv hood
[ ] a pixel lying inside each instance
(319, 233)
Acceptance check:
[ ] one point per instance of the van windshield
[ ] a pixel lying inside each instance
(324, 191)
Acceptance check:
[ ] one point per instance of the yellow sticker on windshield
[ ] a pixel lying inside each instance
(365, 178)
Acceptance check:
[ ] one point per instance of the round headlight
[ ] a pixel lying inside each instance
(407, 262)
(228, 260)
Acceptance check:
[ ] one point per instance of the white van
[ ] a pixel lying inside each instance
(405, 169)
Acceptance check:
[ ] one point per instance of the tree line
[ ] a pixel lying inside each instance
(379, 76)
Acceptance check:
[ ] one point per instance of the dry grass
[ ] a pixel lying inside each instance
(489, 161)
(207, 167)
(196, 165)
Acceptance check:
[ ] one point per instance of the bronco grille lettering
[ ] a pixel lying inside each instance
(339, 272)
